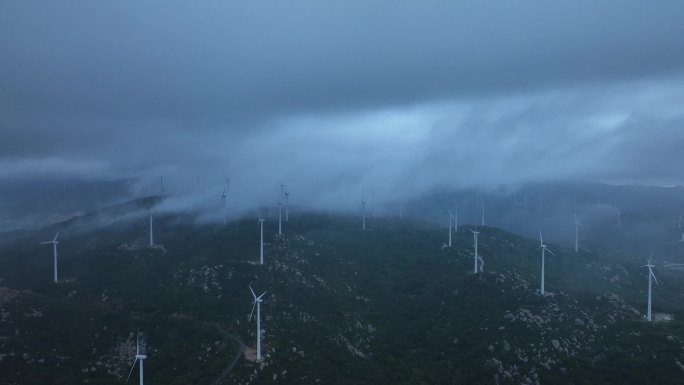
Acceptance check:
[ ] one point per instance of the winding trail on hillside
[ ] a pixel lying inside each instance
(219, 379)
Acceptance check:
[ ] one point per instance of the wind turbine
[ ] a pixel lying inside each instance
(650, 275)
(223, 198)
(363, 211)
(257, 302)
(476, 257)
(287, 206)
(54, 244)
(451, 218)
(456, 218)
(280, 219)
(261, 242)
(483, 217)
(577, 226)
(150, 213)
(138, 357)
(619, 217)
(544, 249)
(162, 192)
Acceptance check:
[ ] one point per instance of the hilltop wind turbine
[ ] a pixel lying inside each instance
(287, 206)
(451, 218)
(162, 192)
(54, 244)
(280, 219)
(476, 257)
(138, 357)
(150, 213)
(456, 218)
(483, 217)
(544, 249)
(223, 198)
(619, 218)
(363, 211)
(650, 275)
(257, 302)
(261, 242)
(577, 226)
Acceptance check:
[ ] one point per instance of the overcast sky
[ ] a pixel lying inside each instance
(339, 98)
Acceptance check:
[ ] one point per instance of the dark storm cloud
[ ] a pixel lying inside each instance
(342, 97)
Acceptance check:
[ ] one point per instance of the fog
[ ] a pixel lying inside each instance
(340, 99)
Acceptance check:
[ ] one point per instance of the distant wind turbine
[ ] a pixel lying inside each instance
(261, 242)
(483, 212)
(577, 226)
(138, 357)
(257, 302)
(54, 244)
(224, 195)
(619, 218)
(287, 206)
(650, 266)
(162, 192)
(451, 219)
(363, 211)
(150, 213)
(456, 218)
(544, 249)
(476, 256)
(280, 219)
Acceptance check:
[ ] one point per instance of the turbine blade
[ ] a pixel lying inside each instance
(541, 239)
(131, 372)
(252, 312)
(653, 275)
(550, 252)
(250, 289)
(263, 294)
(56, 235)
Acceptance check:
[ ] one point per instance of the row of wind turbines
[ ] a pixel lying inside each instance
(479, 261)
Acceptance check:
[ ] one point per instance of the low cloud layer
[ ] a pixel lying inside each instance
(340, 99)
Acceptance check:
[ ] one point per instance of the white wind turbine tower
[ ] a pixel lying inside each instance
(138, 357)
(451, 218)
(162, 192)
(287, 206)
(261, 242)
(150, 213)
(456, 218)
(257, 302)
(280, 219)
(544, 249)
(650, 275)
(224, 195)
(577, 226)
(483, 212)
(476, 256)
(619, 218)
(363, 212)
(54, 244)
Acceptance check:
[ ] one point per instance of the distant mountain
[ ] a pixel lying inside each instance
(35, 203)
(344, 306)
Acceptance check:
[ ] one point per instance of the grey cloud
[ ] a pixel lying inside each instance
(340, 98)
